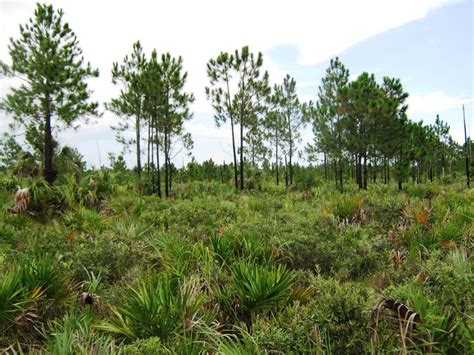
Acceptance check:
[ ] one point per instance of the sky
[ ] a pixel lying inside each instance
(428, 44)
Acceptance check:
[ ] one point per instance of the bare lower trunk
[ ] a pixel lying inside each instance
(49, 173)
(340, 175)
(325, 167)
(166, 164)
(276, 162)
(235, 154)
(139, 162)
(241, 153)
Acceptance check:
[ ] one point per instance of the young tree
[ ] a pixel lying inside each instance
(294, 119)
(362, 106)
(129, 105)
(275, 127)
(167, 108)
(242, 72)
(174, 106)
(327, 126)
(220, 73)
(48, 59)
(9, 151)
(152, 106)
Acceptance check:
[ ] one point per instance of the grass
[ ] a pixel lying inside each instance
(214, 271)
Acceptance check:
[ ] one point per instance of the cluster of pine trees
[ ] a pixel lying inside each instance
(361, 129)
(362, 126)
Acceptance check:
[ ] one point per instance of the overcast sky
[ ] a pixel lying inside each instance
(428, 44)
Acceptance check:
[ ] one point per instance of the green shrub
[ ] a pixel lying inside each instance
(157, 308)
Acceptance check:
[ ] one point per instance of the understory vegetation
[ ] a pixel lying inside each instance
(96, 266)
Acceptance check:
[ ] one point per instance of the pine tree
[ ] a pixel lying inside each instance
(247, 104)
(129, 105)
(275, 127)
(220, 73)
(327, 124)
(294, 119)
(48, 59)
(174, 106)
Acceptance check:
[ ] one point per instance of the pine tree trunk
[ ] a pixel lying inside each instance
(170, 172)
(49, 173)
(166, 164)
(291, 162)
(235, 154)
(286, 172)
(325, 167)
(365, 171)
(152, 154)
(139, 162)
(357, 170)
(335, 173)
(375, 171)
(241, 152)
(340, 174)
(276, 162)
(233, 135)
(148, 152)
(158, 169)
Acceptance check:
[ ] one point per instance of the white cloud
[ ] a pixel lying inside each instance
(199, 30)
(435, 102)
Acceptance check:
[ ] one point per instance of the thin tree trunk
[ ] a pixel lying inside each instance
(148, 152)
(170, 173)
(139, 162)
(166, 163)
(340, 174)
(388, 171)
(152, 153)
(158, 169)
(365, 171)
(233, 134)
(466, 147)
(276, 160)
(286, 172)
(291, 160)
(431, 171)
(357, 170)
(235, 154)
(241, 150)
(49, 173)
(375, 171)
(325, 167)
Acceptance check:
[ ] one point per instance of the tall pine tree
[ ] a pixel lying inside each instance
(48, 59)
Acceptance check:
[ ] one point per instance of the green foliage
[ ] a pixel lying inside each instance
(347, 207)
(268, 270)
(157, 308)
(13, 299)
(74, 333)
(260, 288)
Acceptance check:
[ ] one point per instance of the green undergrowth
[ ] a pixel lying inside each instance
(214, 271)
